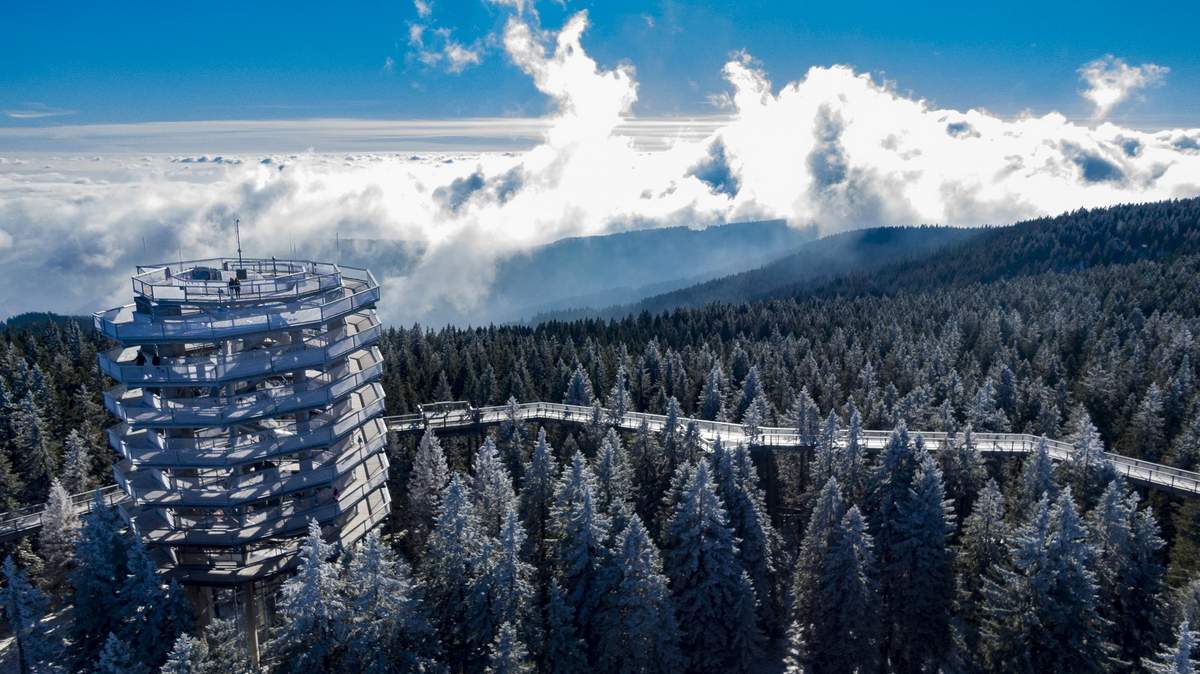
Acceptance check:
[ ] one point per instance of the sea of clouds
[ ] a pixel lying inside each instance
(836, 148)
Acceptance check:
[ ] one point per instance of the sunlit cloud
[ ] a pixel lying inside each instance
(1111, 80)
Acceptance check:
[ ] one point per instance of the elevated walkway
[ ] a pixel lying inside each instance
(460, 418)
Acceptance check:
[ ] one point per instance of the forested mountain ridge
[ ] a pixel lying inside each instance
(1069, 242)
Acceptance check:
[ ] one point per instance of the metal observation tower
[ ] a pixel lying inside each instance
(249, 403)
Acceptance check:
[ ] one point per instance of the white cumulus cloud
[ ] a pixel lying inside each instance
(1111, 80)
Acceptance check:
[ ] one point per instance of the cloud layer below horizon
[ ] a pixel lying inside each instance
(834, 148)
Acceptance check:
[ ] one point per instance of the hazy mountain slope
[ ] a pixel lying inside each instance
(601, 268)
(1069, 242)
(815, 262)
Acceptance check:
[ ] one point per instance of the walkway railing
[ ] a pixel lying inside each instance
(1135, 470)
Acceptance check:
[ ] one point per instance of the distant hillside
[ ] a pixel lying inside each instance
(599, 271)
(1069, 242)
(814, 263)
(38, 319)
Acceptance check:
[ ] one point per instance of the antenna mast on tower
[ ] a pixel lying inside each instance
(237, 229)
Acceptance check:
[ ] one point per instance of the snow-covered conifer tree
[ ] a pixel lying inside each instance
(77, 464)
(24, 607)
(636, 620)
(425, 485)
(579, 391)
(508, 654)
(1042, 613)
(921, 571)
(313, 611)
(57, 539)
(187, 656)
(982, 551)
(707, 580)
(1176, 659)
(117, 658)
(620, 402)
(712, 396)
(387, 629)
(99, 572)
(1036, 479)
(537, 494)
(578, 534)
(491, 488)
(563, 650)
(453, 560)
(614, 478)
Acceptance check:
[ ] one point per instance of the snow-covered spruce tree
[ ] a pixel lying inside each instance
(983, 550)
(511, 440)
(985, 414)
(712, 396)
(453, 559)
(672, 497)
(35, 445)
(636, 620)
(116, 658)
(578, 532)
(921, 575)
(57, 540)
(187, 656)
(672, 440)
(100, 569)
(1128, 574)
(759, 543)
(508, 654)
(1088, 471)
(387, 629)
(503, 592)
(1176, 659)
(647, 469)
(491, 488)
(313, 612)
(824, 465)
(614, 478)
(1145, 436)
(24, 607)
(425, 485)
(758, 414)
(77, 464)
(892, 484)
(537, 494)
(619, 401)
(579, 391)
(1042, 613)
(708, 581)
(803, 415)
(845, 637)
(822, 526)
(154, 616)
(963, 472)
(225, 649)
(562, 650)
(751, 389)
(851, 470)
(1036, 479)
(1185, 452)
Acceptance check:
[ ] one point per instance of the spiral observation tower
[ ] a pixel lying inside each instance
(248, 403)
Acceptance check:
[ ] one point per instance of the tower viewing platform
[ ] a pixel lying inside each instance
(248, 400)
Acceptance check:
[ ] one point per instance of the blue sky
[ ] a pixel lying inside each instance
(83, 63)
